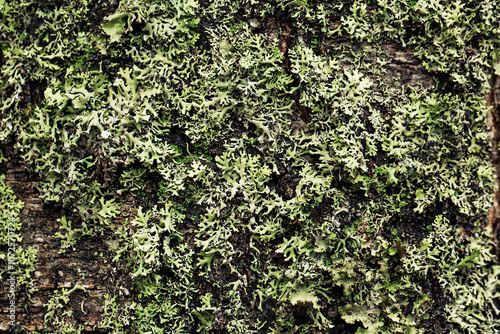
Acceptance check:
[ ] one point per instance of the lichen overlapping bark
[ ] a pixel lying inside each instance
(256, 166)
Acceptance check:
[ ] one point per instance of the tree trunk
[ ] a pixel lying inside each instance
(319, 199)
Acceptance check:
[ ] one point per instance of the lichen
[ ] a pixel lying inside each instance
(17, 262)
(285, 176)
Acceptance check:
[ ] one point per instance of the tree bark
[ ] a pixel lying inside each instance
(88, 264)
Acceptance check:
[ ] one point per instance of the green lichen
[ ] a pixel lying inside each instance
(286, 178)
(58, 317)
(17, 262)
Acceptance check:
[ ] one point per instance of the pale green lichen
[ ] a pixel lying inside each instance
(248, 219)
(59, 319)
(17, 262)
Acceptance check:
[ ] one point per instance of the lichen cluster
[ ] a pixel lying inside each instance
(16, 262)
(287, 178)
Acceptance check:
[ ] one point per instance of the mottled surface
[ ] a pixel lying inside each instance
(263, 167)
